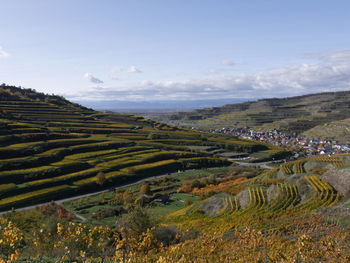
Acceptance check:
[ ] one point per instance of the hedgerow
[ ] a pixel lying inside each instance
(153, 168)
(65, 177)
(7, 187)
(162, 145)
(197, 162)
(6, 203)
(22, 175)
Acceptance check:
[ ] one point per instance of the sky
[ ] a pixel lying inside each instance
(161, 50)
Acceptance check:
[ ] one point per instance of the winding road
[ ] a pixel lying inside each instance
(61, 201)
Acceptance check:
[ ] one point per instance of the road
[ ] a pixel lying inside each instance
(61, 201)
(263, 165)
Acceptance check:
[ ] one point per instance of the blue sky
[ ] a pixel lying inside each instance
(175, 50)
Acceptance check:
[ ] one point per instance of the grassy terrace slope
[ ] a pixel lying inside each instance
(335, 130)
(52, 148)
(297, 212)
(293, 188)
(291, 114)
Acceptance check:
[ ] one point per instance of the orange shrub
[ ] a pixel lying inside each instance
(221, 187)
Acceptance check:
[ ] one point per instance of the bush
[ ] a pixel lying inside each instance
(188, 202)
(137, 221)
(124, 197)
(211, 179)
(108, 212)
(196, 184)
(145, 189)
(185, 187)
(100, 178)
(167, 235)
(189, 235)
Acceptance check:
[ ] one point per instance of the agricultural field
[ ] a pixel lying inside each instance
(51, 148)
(321, 115)
(143, 191)
(297, 212)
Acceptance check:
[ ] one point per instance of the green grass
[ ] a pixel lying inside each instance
(159, 209)
(174, 205)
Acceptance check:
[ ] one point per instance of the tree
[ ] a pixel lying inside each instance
(137, 221)
(188, 202)
(145, 189)
(100, 178)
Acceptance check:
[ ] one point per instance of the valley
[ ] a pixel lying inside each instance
(306, 115)
(52, 148)
(174, 131)
(129, 188)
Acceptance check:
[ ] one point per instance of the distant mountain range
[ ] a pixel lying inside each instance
(175, 105)
(293, 114)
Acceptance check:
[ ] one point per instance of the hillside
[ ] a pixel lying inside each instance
(294, 114)
(296, 212)
(203, 209)
(335, 130)
(51, 148)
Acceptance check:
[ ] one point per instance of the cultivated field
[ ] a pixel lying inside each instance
(51, 148)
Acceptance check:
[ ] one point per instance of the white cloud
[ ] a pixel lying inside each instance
(92, 79)
(133, 69)
(332, 57)
(227, 62)
(330, 73)
(115, 72)
(338, 56)
(3, 53)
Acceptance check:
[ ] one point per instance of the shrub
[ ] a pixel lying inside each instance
(186, 187)
(188, 202)
(124, 197)
(137, 221)
(167, 235)
(211, 179)
(100, 178)
(145, 189)
(108, 212)
(196, 184)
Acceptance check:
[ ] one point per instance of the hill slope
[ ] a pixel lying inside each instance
(298, 212)
(335, 130)
(294, 114)
(50, 147)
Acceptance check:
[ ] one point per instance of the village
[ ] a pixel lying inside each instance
(310, 147)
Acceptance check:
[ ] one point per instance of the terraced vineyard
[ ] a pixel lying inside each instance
(293, 188)
(51, 148)
(322, 115)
